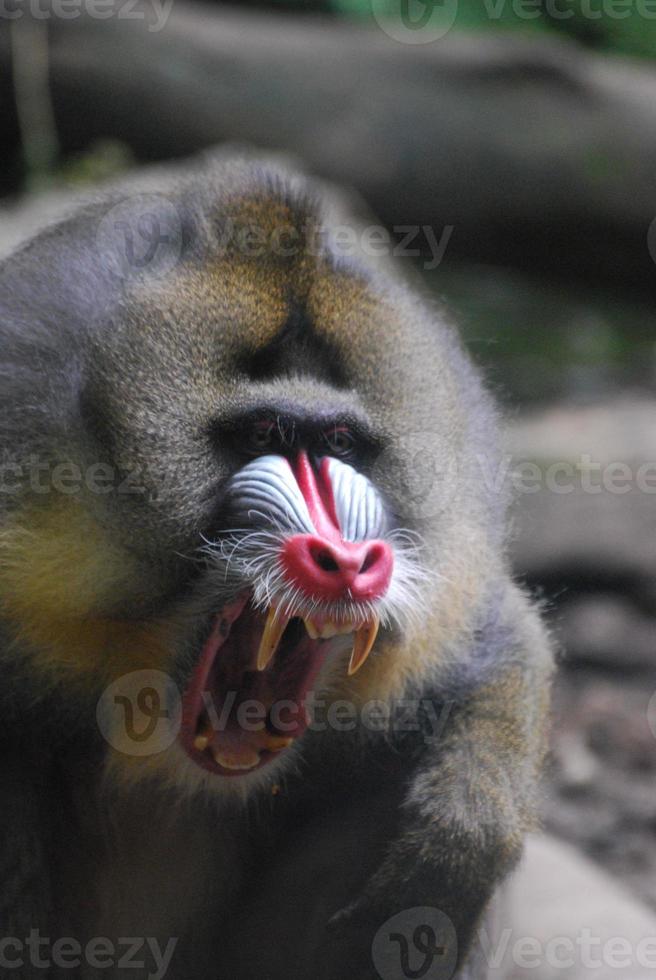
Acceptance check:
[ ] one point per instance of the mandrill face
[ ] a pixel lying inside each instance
(309, 550)
(286, 504)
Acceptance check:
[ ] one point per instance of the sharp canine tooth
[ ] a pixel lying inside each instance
(273, 630)
(277, 742)
(365, 638)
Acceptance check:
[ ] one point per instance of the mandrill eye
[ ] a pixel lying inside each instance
(261, 436)
(340, 441)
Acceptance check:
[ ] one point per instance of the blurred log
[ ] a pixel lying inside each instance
(607, 630)
(588, 521)
(536, 152)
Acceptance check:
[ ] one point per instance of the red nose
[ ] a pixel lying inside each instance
(338, 570)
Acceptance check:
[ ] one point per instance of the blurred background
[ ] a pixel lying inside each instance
(518, 139)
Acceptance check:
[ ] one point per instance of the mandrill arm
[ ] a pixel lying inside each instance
(466, 810)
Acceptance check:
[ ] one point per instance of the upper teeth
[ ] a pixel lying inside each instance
(327, 629)
(324, 629)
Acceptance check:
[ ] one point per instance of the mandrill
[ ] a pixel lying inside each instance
(272, 707)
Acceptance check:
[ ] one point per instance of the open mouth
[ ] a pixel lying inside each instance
(246, 701)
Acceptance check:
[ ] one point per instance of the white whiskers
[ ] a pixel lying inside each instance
(252, 558)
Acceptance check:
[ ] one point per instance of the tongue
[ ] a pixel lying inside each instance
(242, 750)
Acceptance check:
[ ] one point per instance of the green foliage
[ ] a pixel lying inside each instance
(541, 340)
(103, 160)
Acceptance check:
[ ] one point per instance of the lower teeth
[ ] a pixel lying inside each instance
(246, 761)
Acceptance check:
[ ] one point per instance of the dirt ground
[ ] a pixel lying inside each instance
(601, 789)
